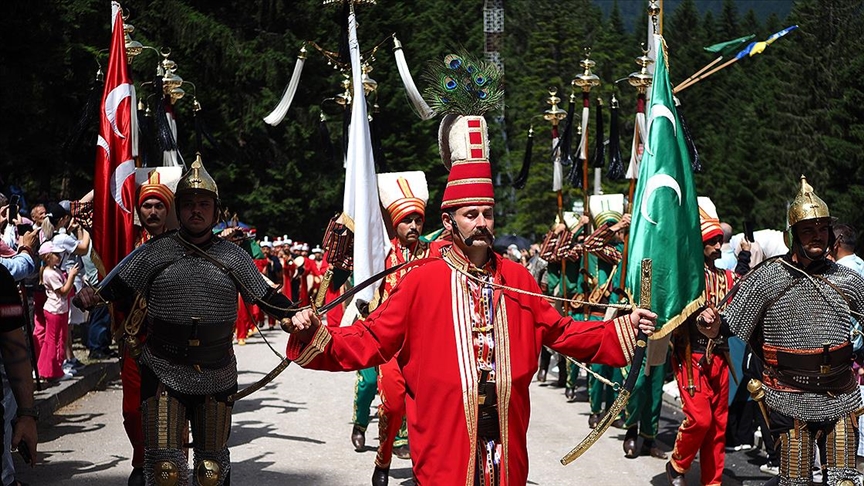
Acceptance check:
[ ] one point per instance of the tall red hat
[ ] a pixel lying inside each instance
(464, 144)
(463, 89)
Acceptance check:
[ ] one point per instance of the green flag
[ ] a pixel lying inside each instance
(665, 226)
(729, 47)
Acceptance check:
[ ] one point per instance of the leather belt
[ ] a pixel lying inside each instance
(208, 345)
(819, 370)
(487, 411)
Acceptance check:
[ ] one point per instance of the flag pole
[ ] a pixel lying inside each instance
(685, 85)
(585, 81)
(554, 115)
(641, 80)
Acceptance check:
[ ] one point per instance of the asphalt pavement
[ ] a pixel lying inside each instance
(295, 431)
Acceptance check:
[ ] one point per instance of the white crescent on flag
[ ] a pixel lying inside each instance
(664, 112)
(118, 178)
(112, 101)
(652, 184)
(101, 142)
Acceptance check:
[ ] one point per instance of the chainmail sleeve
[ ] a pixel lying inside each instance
(852, 286)
(140, 269)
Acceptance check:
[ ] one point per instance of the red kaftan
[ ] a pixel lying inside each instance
(427, 321)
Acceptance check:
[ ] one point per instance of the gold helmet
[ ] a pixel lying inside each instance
(197, 181)
(807, 205)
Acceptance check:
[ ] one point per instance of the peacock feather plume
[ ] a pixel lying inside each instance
(462, 85)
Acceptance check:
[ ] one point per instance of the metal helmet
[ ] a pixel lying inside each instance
(197, 181)
(807, 205)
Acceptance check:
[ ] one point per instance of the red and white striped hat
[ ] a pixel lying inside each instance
(464, 144)
(708, 219)
(403, 193)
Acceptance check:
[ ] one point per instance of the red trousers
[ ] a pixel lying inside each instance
(130, 378)
(245, 313)
(51, 344)
(705, 415)
(391, 387)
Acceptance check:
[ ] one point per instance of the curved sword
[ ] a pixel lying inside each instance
(635, 369)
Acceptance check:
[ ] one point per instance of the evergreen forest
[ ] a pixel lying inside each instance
(758, 125)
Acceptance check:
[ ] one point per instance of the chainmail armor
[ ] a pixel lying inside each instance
(180, 286)
(799, 312)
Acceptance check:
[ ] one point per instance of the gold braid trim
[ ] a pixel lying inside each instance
(626, 336)
(320, 341)
(676, 321)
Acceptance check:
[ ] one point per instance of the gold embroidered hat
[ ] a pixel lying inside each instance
(403, 193)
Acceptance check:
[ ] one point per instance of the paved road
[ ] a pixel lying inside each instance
(296, 431)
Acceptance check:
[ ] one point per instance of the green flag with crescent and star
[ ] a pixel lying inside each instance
(665, 225)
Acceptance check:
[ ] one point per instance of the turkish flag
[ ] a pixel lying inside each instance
(114, 181)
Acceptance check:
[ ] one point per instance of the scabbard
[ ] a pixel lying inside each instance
(688, 365)
(260, 383)
(728, 359)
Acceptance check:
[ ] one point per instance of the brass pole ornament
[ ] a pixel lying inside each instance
(133, 47)
(554, 114)
(587, 79)
(171, 82)
(641, 80)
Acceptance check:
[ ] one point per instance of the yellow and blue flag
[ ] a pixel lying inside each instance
(757, 47)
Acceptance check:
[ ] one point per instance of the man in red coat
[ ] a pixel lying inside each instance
(155, 201)
(404, 196)
(468, 342)
(702, 372)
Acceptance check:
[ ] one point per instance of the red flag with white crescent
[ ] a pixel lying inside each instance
(114, 180)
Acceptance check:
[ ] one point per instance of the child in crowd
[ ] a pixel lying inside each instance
(50, 337)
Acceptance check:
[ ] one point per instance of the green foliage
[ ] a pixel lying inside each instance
(758, 124)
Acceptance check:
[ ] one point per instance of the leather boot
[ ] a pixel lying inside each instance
(570, 394)
(358, 438)
(541, 376)
(593, 419)
(630, 450)
(675, 478)
(650, 449)
(381, 476)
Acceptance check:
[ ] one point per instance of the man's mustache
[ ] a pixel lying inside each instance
(482, 232)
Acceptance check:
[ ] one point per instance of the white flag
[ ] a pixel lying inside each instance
(361, 210)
